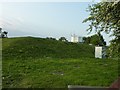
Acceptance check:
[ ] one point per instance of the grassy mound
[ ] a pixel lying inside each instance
(29, 47)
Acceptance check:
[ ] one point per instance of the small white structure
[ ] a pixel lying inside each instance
(100, 52)
(76, 39)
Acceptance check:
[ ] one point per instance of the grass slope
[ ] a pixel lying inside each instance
(28, 47)
(43, 63)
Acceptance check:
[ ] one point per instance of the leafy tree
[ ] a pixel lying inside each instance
(51, 38)
(86, 40)
(96, 39)
(102, 42)
(0, 30)
(3, 34)
(63, 39)
(105, 16)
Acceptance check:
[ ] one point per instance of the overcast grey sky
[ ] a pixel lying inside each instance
(45, 19)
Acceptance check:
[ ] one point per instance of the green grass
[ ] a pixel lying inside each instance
(58, 73)
(43, 63)
(39, 48)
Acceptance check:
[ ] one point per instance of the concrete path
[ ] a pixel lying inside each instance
(114, 86)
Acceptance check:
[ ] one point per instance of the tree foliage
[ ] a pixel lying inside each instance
(51, 38)
(96, 39)
(105, 16)
(63, 39)
(3, 34)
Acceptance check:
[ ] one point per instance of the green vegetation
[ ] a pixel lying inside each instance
(105, 17)
(3, 34)
(45, 63)
(58, 73)
(40, 48)
(96, 39)
(63, 39)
